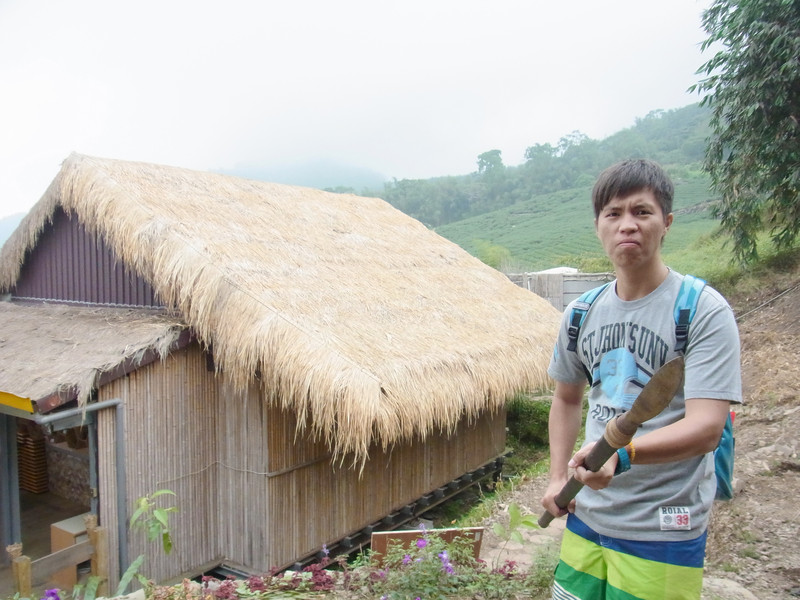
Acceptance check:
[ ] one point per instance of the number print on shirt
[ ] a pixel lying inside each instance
(674, 518)
(603, 413)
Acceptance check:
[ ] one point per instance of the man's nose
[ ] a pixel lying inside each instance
(628, 222)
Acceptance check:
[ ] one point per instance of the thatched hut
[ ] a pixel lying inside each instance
(297, 366)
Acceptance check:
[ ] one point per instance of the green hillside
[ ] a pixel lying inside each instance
(557, 229)
(676, 139)
(538, 215)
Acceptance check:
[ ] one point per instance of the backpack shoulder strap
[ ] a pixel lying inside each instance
(684, 311)
(685, 308)
(578, 314)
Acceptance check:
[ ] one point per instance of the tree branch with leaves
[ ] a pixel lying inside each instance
(752, 85)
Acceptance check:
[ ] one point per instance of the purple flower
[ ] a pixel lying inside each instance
(446, 566)
(422, 542)
(406, 559)
(51, 595)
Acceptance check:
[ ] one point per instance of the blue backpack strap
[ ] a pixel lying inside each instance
(685, 307)
(723, 461)
(578, 314)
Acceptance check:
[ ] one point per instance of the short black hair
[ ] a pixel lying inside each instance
(629, 176)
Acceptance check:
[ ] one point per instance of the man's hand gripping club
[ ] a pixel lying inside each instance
(654, 397)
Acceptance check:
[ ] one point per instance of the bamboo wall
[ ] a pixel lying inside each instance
(297, 500)
(248, 490)
(107, 487)
(170, 443)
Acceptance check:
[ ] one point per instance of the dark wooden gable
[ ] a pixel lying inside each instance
(70, 265)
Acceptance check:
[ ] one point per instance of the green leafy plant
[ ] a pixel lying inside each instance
(154, 520)
(433, 568)
(87, 591)
(528, 419)
(428, 568)
(130, 573)
(516, 521)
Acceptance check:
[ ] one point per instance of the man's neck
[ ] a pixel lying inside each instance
(634, 284)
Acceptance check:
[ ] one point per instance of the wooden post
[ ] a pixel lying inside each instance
(21, 570)
(98, 536)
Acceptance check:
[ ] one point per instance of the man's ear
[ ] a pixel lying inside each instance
(667, 223)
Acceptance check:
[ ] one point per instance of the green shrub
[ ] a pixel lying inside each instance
(527, 419)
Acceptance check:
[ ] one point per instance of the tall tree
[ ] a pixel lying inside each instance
(490, 162)
(752, 86)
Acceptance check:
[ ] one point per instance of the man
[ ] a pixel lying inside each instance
(638, 528)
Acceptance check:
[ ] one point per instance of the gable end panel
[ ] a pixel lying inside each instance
(70, 265)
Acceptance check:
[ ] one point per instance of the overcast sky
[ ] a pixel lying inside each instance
(410, 89)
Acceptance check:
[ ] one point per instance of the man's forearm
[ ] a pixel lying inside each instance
(564, 426)
(696, 433)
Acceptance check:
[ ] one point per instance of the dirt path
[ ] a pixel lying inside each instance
(754, 540)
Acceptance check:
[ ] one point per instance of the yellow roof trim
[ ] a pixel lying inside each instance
(23, 404)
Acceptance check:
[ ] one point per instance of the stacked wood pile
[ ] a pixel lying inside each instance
(32, 457)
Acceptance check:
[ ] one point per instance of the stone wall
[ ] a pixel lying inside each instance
(68, 472)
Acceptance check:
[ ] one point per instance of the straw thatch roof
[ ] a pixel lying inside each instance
(359, 318)
(57, 350)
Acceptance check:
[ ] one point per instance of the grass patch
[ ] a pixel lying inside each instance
(749, 537)
(748, 286)
(527, 420)
(750, 552)
(729, 568)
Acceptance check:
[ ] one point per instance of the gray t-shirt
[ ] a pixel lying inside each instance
(622, 344)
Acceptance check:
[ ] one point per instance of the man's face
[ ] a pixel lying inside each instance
(632, 228)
